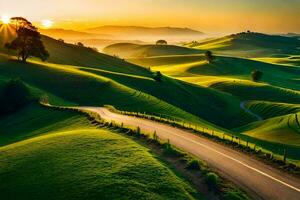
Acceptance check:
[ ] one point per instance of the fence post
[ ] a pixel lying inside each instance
(284, 155)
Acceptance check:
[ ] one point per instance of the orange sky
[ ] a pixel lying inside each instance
(207, 16)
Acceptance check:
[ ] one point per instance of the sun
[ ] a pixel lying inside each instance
(5, 19)
(47, 23)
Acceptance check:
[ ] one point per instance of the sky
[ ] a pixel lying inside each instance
(276, 16)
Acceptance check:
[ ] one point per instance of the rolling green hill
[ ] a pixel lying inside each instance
(129, 50)
(272, 109)
(250, 45)
(47, 154)
(284, 129)
(80, 76)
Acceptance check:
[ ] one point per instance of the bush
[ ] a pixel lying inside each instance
(158, 76)
(256, 75)
(212, 180)
(209, 56)
(169, 150)
(14, 96)
(193, 165)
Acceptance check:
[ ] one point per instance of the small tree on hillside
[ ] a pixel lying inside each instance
(161, 42)
(80, 44)
(158, 76)
(209, 56)
(28, 41)
(256, 75)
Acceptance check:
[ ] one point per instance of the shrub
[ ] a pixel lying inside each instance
(193, 165)
(212, 180)
(209, 56)
(14, 96)
(169, 150)
(256, 75)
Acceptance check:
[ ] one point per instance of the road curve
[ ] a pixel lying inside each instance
(258, 179)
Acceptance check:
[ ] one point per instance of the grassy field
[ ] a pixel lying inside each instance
(250, 45)
(47, 152)
(129, 50)
(193, 90)
(276, 96)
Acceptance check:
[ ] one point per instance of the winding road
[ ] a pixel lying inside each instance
(256, 178)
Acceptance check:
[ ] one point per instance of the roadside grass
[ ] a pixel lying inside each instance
(271, 151)
(195, 170)
(73, 159)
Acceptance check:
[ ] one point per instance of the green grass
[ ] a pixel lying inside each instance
(272, 109)
(83, 88)
(49, 154)
(284, 129)
(129, 50)
(207, 94)
(250, 45)
(247, 90)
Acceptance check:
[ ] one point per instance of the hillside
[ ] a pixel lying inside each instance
(81, 76)
(62, 154)
(129, 50)
(283, 129)
(251, 45)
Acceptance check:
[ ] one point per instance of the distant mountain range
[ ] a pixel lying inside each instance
(71, 34)
(102, 36)
(145, 31)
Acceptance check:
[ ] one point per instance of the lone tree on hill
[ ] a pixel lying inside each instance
(161, 42)
(256, 75)
(158, 76)
(209, 56)
(80, 44)
(28, 41)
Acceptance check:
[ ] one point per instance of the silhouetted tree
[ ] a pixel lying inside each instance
(256, 75)
(61, 40)
(209, 56)
(161, 42)
(28, 41)
(80, 44)
(158, 76)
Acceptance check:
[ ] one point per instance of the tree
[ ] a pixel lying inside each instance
(80, 44)
(161, 42)
(209, 56)
(158, 76)
(28, 41)
(256, 75)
